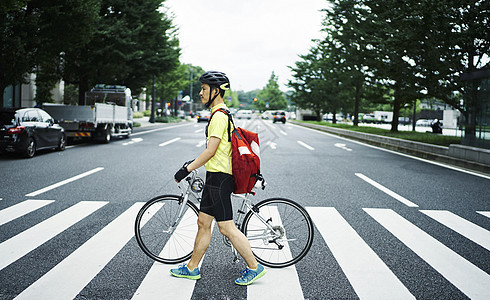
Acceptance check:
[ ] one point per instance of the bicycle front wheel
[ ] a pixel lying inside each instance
(161, 234)
(280, 232)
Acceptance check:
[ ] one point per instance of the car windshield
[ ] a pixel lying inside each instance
(7, 118)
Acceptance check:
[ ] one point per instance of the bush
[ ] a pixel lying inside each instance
(167, 119)
(423, 137)
(137, 115)
(147, 113)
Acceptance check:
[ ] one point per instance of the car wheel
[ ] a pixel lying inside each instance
(31, 148)
(61, 143)
(107, 137)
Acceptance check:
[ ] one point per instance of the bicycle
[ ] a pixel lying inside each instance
(280, 231)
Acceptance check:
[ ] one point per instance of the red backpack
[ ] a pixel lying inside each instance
(245, 157)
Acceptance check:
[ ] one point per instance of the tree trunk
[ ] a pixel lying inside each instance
(396, 112)
(357, 102)
(82, 88)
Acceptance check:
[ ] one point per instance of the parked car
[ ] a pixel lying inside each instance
(424, 122)
(279, 116)
(27, 130)
(203, 116)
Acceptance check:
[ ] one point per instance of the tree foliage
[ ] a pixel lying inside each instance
(86, 42)
(395, 52)
(271, 97)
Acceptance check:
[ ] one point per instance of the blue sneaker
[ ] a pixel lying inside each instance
(183, 272)
(249, 275)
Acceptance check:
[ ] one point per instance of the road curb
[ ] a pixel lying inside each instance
(457, 155)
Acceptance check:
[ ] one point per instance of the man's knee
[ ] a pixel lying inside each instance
(227, 228)
(204, 221)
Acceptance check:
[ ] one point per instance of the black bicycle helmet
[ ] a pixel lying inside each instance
(217, 80)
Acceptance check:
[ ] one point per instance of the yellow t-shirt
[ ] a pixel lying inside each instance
(218, 127)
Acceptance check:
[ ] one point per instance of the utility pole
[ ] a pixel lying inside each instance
(192, 101)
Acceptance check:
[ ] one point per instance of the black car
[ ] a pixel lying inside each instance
(279, 116)
(26, 130)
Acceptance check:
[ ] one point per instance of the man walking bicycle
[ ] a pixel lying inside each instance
(216, 196)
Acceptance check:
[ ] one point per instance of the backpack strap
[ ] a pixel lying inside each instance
(230, 121)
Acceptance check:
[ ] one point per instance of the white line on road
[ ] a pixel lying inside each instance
(158, 281)
(80, 267)
(272, 145)
(285, 281)
(398, 153)
(169, 142)
(26, 241)
(283, 132)
(367, 273)
(159, 129)
(484, 213)
(387, 191)
(464, 227)
(136, 140)
(305, 145)
(342, 146)
(53, 186)
(18, 210)
(471, 280)
(199, 130)
(201, 143)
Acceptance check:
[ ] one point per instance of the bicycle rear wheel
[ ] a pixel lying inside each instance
(285, 239)
(160, 235)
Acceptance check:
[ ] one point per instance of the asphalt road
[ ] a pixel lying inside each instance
(387, 225)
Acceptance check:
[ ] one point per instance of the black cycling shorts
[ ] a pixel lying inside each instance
(216, 196)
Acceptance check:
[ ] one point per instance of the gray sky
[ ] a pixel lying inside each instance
(247, 39)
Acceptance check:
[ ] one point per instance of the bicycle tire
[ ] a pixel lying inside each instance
(289, 219)
(152, 229)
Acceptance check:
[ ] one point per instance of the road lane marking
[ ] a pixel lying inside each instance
(158, 281)
(272, 145)
(285, 280)
(80, 267)
(201, 143)
(484, 213)
(468, 278)
(18, 210)
(169, 142)
(398, 153)
(56, 185)
(159, 129)
(367, 273)
(283, 132)
(136, 140)
(305, 145)
(199, 130)
(342, 146)
(462, 226)
(26, 241)
(387, 191)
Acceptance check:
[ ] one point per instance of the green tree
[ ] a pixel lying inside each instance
(271, 97)
(19, 41)
(133, 42)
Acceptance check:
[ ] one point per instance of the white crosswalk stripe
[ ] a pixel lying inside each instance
(464, 275)
(16, 211)
(285, 281)
(158, 282)
(479, 235)
(366, 272)
(106, 243)
(368, 275)
(23, 243)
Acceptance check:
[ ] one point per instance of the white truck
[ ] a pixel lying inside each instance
(107, 113)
